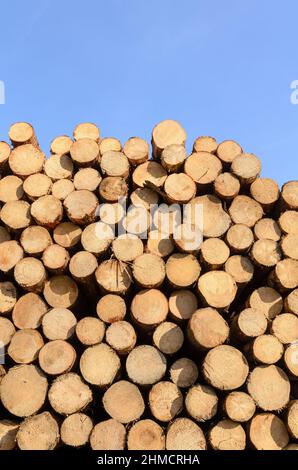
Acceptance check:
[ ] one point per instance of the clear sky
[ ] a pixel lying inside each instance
(220, 67)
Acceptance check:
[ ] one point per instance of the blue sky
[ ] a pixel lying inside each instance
(221, 68)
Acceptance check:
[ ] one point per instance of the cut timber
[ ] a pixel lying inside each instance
(123, 402)
(182, 270)
(121, 336)
(165, 401)
(58, 323)
(149, 308)
(22, 133)
(47, 211)
(214, 253)
(182, 304)
(289, 246)
(35, 240)
(205, 144)
(30, 274)
(76, 429)
(249, 324)
(207, 328)
(87, 178)
(8, 297)
(56, 357)
(108, 435)
(159, 244)
(81, 207)
(8, 432)
(188, 238)
(113, 276)
(25, 346)
(61, 145)
(67, 234)
(285, 328)
(37, 185)
(265, 191)
(127, 247)
(203, 168)
(69, 394)
(288, 222)
(265, 253)
(16, 215)
(62, 188)
(239, 238)
(10, 254)
(146, 365)
(247, 168)
(109, 143)
(113, 188)
(240, 268)
(228, 150)
(172, 157)
(267, 300)
(269, 386)
(28, 311)
(111, 308)
(86, 130)
(23, 390)
(82, 267)
(285, 274)
(144, 197)
(111, 214)
(291, 302)
(226, 186)
(292, 419)
(184, 372)
(149, 270)
(268, 432)
(90, 331)
(84, 152)
(239, 407)
(166, 218)
(225, 368)
(267, 228)
(179, 188)
(168, 337)
(207, 213)
(39, 432)
(245, 210)
(265, 349)
(55, 259)
(99, 365)
(4, 153)
(166, 133)
(58, 167)
(61, 291)
(136, 150)
(114, 164)
(290, 360)
(227, 435)
(11, 188)
(184, 434)
(146, 435)
(289, 195)
(149, 171)
(217, 288)
(26, 160)
(201, 402)
(7, 330)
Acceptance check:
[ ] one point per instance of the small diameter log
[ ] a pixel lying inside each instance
(127, 247)
(246, 167)
(23, 390)
(285, 328)
(90, 331)
(109, 143)
(56, 357)
(30, 274)
(179, 188)
(108, 435)
(217, 289)
(240, 268)
(47, 211)
(69, 394)
(203, 168)
(265, 349)
(187, 238)
(67, 234)
(146, 435)
(184, 372)
(123, 402)
(184, 434)
(136, 150)
(144, 197)
(76, 429)
(113, 276)
(205, 144)
(59, 323)
(267, 228)
(239, 238)
(10, 254)
(173, 157)
(249, 324)
(55, 259)
(201, 402)
(113, 188)
(28, 311)
(61, 145)
(137, 221)
(226, 186)
(149, 171)
(25, 346)
(168, 337)
(82, 267)
(285, 275)
(182, 304)
(159, 244)
(4, 235)
(37, 185)
(11, 188)
(207, 328)
(61, 291)
(39, 432)
(292, 418)
(245, 210)
(267, 301)
(265, 253)
(26, 160)
(269, 387)
(228, 150)
(87, 178)
(182, 270)
(207, 213)
(265, 191)
(21, 133)
(62, 188)
(288, 222)
(35, 240)
(146, 365)
(166, 133)
(99, 365)
(121, 336)
(8, 432)
(227, 435)
(111, 214)
(239, 406)
(16, 215)
(111, 308)
(225, 368)
(289, 246)
(84, 152)
(86, 130)
(268, 432)
(4, 153)
(8, 297)
(7, 330)
(149, 270)
(291, 302)
(114, 164)
(58, 167)
(214, 253)
(289, 195)
(166, 218)
(149, 308)
(81, 207)
(165, 401)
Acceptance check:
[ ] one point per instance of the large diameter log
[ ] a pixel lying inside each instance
(248, 324)
(59, 324)
(28, 311)
(159, 244)
(267, 228)
(239, 406)
(8, 432)
(228, 150)
(207, 328)
(205, 143)
(172, 157)
(23, 390)
(21, 133)
(113, 276)
(87, 178)
(37, 185)
(240, 238)
(136, 150)
(61, 291)
(149, 171)
(16, 215)
(111, 308)
(201, 402)
(288, 222)
(4, 153)
(99, 365)
(245, 210)
(146, 365)
(269, 387)
(266, 300)
(114, 164)
(47, 211)
(183, 434)
(108, 435)
(265, 349)
(265, 253)
(39, 432)
(58, 167)
(217, 289)
(25, 346)
(11, 188)
(149, 308)
(113, 188)
(289, 195)
(55, 259)
(146, 435)
(203, 168)
(168, 337)
(26, 160)
(265, 191)
(8, 297)
(35, 240)
(225, 368)
(109, 143)
(128, 247)
(61, 145)
(184, 372)
(207, 213)
(90, 331)
(214, 253)
(81, 207)
(149, 270)
(166, 133)
(182, 270)
(285, 328)
(86, 130)
(82, 267)
(10, 254)
(7, 331)
(84, 152)
(226, 186)
(67, 234)
(124, 402)
(240, 268)
(182, 304)
(76, 429)
(246, 167)
(56, 357)
(30, 274)
(285, 275)
(268, 432)
(227, 435)
(69, 394)
(165, 401)
(179, 188)
(62, 188)
(121, 336)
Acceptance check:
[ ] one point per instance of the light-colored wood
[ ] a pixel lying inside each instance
(144, 197)
(7, 331)
(249, 323)
(21, 133)
(245, 210)
(285, 328)
(149, 308)
(76, 429)
(207, 328)
(90, 331)
(227, 435)
(247, 168)
(217, 289)
(29, 311)
(184, 372)
(168, 337)
(99, 365)
(285, 274)
(82, 267)
(239, 406)
(165, 401)
(56, 357)
(288, 222)
(111, 213)
(124, 402)
(265, 349)
(228, 150)
(265, 191)
(121, 336)
(67, 234)
(8, 432)
(4, 153)
(86, 130)
(55, 259)
(113, 276)
(214, 253)
(58, 324)
(37, 185)
(11, 253)
(166, 218)
(267, 228)
(26, 160)
(108, 435)
(205, 144)
(11, 188)
(166, 133)
(8, 297)
(146, 365)
(268, 432)
(290, 360)
(265, 253)
(61, 291)
(187, 238)
(149, 270)
(182, 304)
(289, 246)
(35, 240)
(291, 302)
(266, 300)
(127, 247)
(25, 346)
(136, 150)
(289, 195)
(84, 152)
(62, 188)
(58, 167)
(149, 171)
(159, 244)
(16, 215)
(47, 211)
(292, 418)
(69, 394)
(182, 270)
(226, 186)
(240, 238)
(87, 178)
(179, 188)
(269, 387)
(81, 207)
(30, 274)
(207, 213)
(173, 157)
(39, 432)
(240, 268)
(111, 308)
(109, 143)
(146, 435)
(61, 145)
(113, 188)
(183, 434)
(201, 402)
(203, 168)
(114, 164)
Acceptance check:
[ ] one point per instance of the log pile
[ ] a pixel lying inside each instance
(148, 300)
